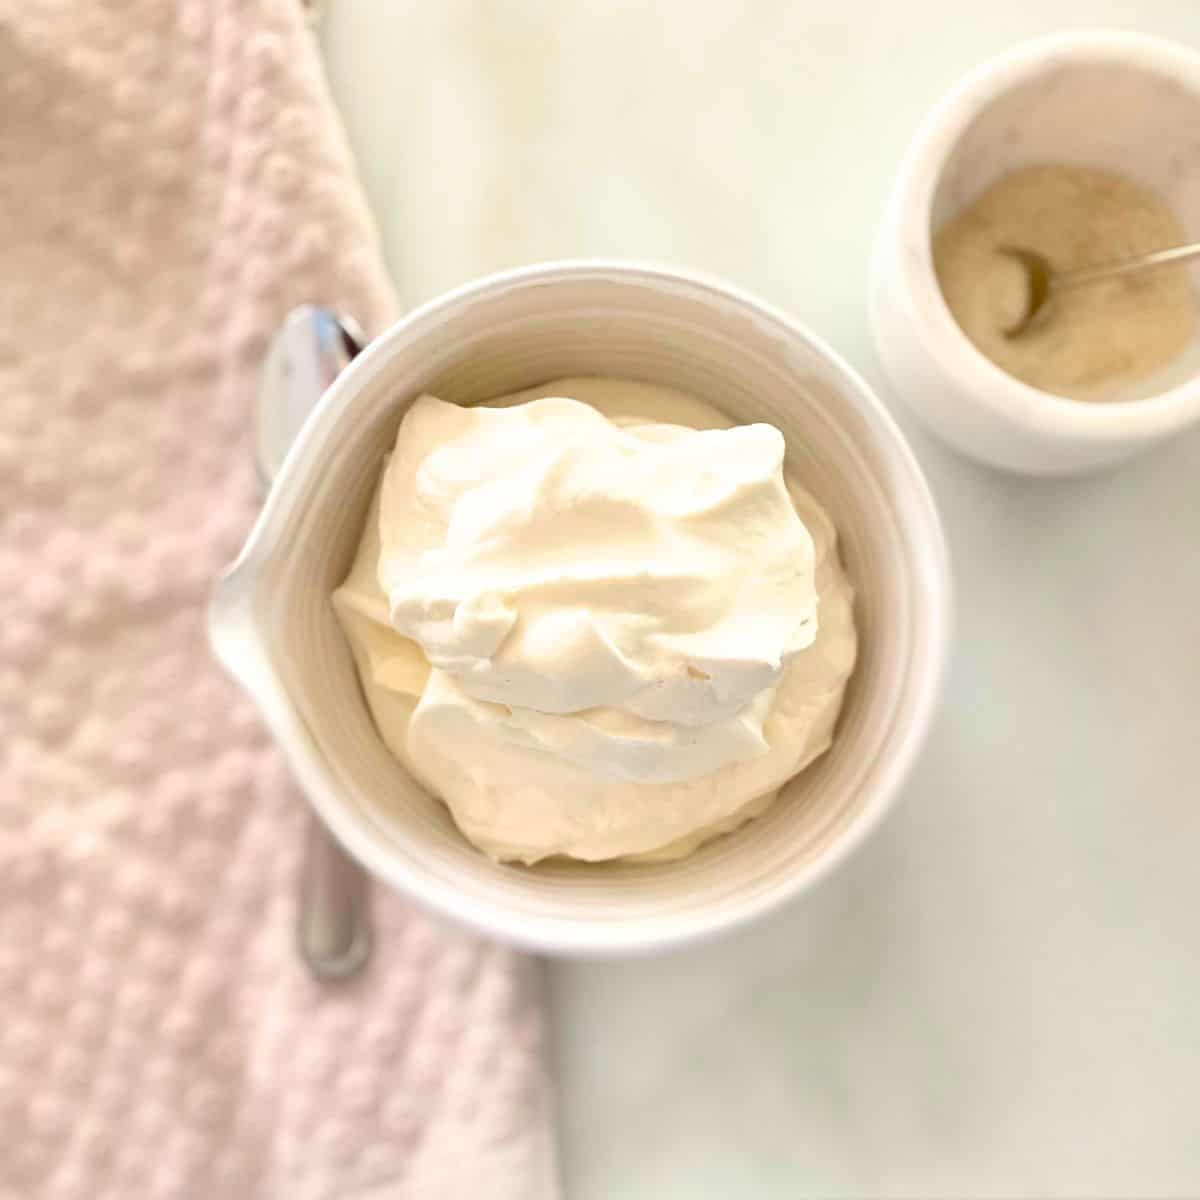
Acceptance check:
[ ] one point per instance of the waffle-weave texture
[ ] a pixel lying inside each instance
(172, 182)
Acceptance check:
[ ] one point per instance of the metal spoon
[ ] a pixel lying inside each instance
(312, 347)
(1044, 283)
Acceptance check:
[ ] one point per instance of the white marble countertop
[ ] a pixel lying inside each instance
(1000, 995)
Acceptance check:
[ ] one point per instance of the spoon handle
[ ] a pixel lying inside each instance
(334, 928)
(333, 921)
(1126, 266)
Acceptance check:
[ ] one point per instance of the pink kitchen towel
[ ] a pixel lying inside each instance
(172, 181)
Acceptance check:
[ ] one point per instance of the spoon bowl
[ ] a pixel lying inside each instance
(1039, 276)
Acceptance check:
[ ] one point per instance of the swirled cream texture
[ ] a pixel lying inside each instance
(595, 620)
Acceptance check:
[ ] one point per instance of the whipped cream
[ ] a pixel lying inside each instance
(594, 619)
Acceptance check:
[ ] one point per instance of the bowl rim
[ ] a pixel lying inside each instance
(232, 631)
(983, 382)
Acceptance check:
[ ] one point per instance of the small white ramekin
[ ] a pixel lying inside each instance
(273, 626)
(1116, 100)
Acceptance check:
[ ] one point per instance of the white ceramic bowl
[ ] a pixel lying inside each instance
(273, 625)
(1116, 100)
